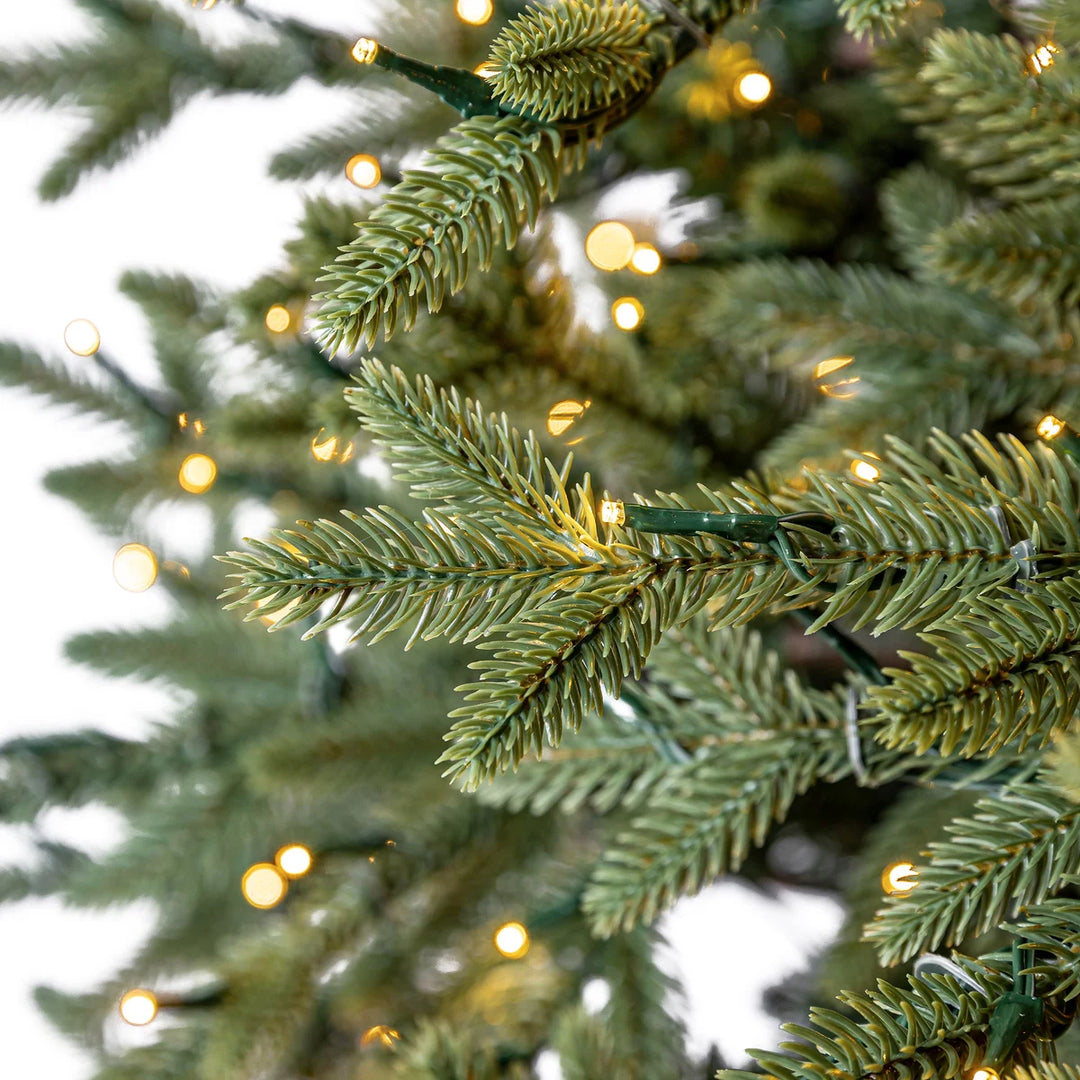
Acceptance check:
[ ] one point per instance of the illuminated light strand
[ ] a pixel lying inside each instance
(382, 1034)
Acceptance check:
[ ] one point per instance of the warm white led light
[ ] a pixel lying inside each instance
(138, 1007)
(753, 88)
(294, 860)
(81, 337)
(512, 940)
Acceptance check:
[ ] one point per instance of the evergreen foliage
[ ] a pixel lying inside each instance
(640, 718)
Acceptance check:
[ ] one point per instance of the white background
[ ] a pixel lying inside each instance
(196, 200)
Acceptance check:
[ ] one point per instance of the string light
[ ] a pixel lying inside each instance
(264, 885)
(364, 171)
(474, 12)
(563, 415)
(206, 4)
(278, 319)
(1042, 57)
(330, 449)
(753, 88)
(135, 567)
(294, 860)
(197, 473)
(380, 1033)
(512, 940)
(898, 878)
(835, 388)
(609, 245)
(1050, 427)
(984, 1073)
(365, 50)
(486, 69)
(627, 312)
(645, 259)
(138, 1007)
(612, 512)
(865, 471)
(81, 337)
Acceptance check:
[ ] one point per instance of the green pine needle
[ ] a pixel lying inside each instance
(484, 180)
(556, 63)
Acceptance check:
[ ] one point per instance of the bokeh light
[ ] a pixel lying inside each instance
(294, 860)
(81, 337)
(474, 12)
(609, 245)
(564, 414)
(365, 50)
(512, 940)
(364, 171)
(197, 473)
(753, 88)
(135, 567)
(264, 885)
(898, 877)
(138, 1007)
(865, 471)
(627, 312)
(645, 259)
(278, 319)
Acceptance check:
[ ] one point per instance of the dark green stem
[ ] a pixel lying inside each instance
(855, 656)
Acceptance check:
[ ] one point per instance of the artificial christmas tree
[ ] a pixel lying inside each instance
(882, 259)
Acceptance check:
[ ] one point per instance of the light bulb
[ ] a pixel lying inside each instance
(835, 388)
(380, 1033)
(984, 1073)
(1050, 427)
(264, 885)
(363, 170)
(474, 12)
(365, 50)
(326, 450)
(753, 88)
(646, 259)
(900, 877)
(612, 512)
(512, 940)
(138, 1007)
(563, 414)
(1042, 57)
(197, 473)
(865, 471)
(627, 312)
(486, 69)
(81, 337)
(294, 860)
(609, 245)
(135, 567)
(278, 319)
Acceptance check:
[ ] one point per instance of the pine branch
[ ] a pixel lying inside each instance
(485, 179)
(1013, 853)
(932, 1027)
(22, 368)
(586, 1047)
(866, 17)
(978, 101)
(558, 63)
(1058, 19)
(917, 203)
(1008, 671)
(703, 821)
(1024, 255)
(1052, 927)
